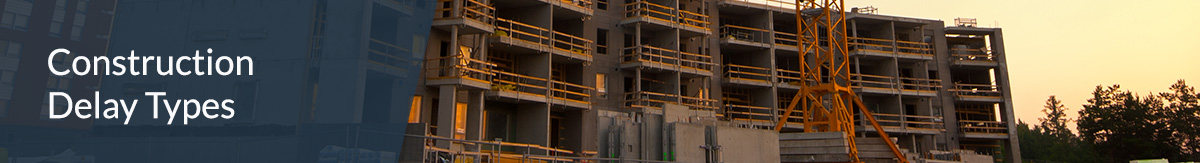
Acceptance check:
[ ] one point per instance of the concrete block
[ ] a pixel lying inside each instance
(814, 150)
(815, 158)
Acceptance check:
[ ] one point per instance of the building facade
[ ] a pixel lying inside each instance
(545, 72)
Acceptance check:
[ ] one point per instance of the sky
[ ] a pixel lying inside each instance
(1068, 47)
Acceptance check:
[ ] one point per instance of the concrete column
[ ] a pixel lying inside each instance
(446, 104)
(1012, 146)
(475, 117)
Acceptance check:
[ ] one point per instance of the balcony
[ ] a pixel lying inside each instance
(459, 70)
(787, 41)
(656, 100)
(648, 100)
(878, 84)
(983, 129)
(666, 59)
(973, 57)
(744, 38)
(475, 16)
(572, 46)
(874, 47)
(659, 17)
(904, 123)
(920, 86)
(747, 75)
(521, 37)
(757, 5)
(579, 8)
(790, 79)
(698, 103)
(749, 113)
(796, 119)
(515, 87)
(978, 92)
(572, 95)
(695, 64)
(649, 56)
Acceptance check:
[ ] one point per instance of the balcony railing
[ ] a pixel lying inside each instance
(976, 126)
(693, 19)
(695, 61)
(664, 13)
(517, 83)
(459, 66)
(744, 33)
(573, 44)
(698, 103)
(920, 84)
(389, 54)
(650, 54)
(872, 81)
(920, 122)
(572, 92)
(771, 3)
(914, 48)
(748, 112)
(871, 44)
(646, 99)
(470, 9)
(789, 76)
(586, 4)
(797, 113)
(972, 54)
(521, 31)
(649, 10)
(984, 90)
(786, 39)
(733, 71)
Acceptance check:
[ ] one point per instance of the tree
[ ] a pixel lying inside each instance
(1183, 117)
(1124, 126)
(1055, 122)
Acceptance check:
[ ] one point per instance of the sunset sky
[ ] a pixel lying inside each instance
(1067, 47)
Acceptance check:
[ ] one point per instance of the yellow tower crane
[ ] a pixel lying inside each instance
(825, 96)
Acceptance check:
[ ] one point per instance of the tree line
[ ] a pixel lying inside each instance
(1117, 125)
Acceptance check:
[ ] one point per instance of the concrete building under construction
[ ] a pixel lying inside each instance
(696, 81)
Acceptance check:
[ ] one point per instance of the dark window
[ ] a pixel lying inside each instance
(602, 41)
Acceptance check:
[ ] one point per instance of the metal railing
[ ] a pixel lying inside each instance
(649, 10)
(872, 81)
(693, 19)
(649, 54)
(573, 44)
(734, 71)
(521, 31)
(647, 99)
(748, 112)
(695, 61)
(786, 39)
(586, 4)
(914, 48)
(493, 151)
(698, 103)
(985, 90)
(921, 122)
(459, 66)
(920, 84)
(664, 13)
(976, 126)
(735, 32)
(572, 92)
(389, 54)
(972, 54)
(470, 9)
(791, 5)
(789, 76)
(797, 116)
(870, 44)
(517, 83)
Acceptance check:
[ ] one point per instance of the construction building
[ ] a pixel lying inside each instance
(638, 79)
